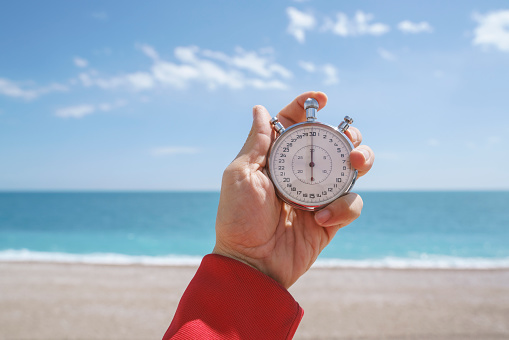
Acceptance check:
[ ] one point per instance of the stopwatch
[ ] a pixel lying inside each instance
(309, 162)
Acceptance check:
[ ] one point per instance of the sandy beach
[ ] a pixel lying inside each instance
(78, 301)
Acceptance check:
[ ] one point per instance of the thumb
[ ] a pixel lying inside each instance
(258, 141)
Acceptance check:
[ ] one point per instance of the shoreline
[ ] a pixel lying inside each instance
(98, 301)
(425, 261)
(194, 266)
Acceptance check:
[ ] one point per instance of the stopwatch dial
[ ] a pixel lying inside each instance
(310, 165)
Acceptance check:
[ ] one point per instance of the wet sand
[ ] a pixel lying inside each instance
(78, 301)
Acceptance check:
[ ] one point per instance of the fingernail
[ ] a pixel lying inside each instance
(322, 216)
(366, 154)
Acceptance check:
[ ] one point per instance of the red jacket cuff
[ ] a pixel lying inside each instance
(227, 299)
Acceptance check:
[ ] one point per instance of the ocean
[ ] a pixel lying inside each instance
(395, 230)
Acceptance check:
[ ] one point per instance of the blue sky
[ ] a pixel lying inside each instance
(109, 95)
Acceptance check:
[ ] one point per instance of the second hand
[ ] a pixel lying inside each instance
(312, 164)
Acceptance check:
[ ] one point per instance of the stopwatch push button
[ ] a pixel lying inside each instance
(277, 126)
(345, 124)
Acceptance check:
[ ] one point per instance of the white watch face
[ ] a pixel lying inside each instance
(310, 165)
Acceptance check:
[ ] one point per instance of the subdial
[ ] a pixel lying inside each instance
(312, 164)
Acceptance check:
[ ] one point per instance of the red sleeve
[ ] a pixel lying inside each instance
(227, 299)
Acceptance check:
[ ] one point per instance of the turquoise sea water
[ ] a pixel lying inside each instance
(396, 229)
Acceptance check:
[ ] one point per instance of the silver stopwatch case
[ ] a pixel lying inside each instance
(319, 171)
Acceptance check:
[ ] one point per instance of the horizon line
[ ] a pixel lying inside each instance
(4, 191)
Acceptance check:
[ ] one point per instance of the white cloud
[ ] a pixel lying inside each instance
(136, 81)
(251, 61)
(266, 50)
(212, 68)
(80, 111)
(331, 74)
(178, 76)
(80, 62)
(387, 55)
(11, 89)
(140, 80)
(216, 55)
(492, 30)
(358, 25)
(187, 54)
(328, 70)
(307, 66)
(407, 26)
(149, 51)
(267, 84)
(173, 150)
(106, 107)
(199, 69)
(299, 23)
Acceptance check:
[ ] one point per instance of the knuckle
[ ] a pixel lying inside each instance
(359, 136)
(235, 172)
(358, 205)
(348, 209)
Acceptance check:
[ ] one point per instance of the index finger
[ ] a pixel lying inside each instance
(294, 112)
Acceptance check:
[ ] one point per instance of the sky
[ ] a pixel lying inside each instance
(158, 95)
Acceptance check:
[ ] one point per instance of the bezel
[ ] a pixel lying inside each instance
(282, 194)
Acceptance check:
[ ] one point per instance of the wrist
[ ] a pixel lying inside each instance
(247, 261)
(259, 264)
(218, 250)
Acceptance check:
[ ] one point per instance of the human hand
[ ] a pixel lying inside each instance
(256, 227)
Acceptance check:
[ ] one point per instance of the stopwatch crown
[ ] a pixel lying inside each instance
(311, 105)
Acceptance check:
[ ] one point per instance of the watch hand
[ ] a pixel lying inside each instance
(312, 164)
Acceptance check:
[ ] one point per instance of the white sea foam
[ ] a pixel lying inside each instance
(25, 255)
(422, 262)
